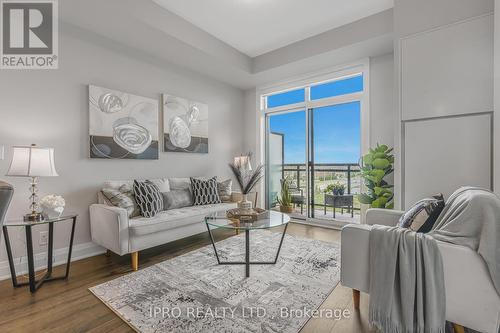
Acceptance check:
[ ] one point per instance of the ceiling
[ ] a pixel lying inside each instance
(255, 27)
(144, 30)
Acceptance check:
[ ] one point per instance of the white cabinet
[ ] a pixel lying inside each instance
(448, 71)
(443, 154)
(446, 100)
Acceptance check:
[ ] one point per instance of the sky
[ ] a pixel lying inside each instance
(337, 136)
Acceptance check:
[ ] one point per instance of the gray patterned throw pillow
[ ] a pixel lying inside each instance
(122, 197)
(423, 214)
(205, 191)
(148, 198)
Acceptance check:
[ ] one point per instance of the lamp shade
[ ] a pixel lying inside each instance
(32, 162)
(243, 162)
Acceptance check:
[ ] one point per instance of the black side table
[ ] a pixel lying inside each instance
(28, 225)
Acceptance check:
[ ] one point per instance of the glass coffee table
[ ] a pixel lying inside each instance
(267, 220)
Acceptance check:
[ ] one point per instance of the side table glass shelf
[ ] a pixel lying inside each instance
(28, 226)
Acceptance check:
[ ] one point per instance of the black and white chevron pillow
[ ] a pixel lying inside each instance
(148, 198)
(205, 191)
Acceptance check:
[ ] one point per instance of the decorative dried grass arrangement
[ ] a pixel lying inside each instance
(245, 176)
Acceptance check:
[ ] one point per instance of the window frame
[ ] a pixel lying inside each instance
(306, 81)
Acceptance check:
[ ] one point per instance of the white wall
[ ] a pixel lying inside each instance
(382, 112)
(496, 97)
(50, 108)
(250, 128)
(381, 100)
(443, 70)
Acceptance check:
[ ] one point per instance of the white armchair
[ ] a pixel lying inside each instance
(471, 298)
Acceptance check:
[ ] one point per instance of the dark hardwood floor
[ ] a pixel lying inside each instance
(68, 306)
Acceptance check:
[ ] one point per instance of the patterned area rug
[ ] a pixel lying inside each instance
(192, 293)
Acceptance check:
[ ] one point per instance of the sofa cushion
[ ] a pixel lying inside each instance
(224, 188)
(177, 199)
(174, 218)
(179, 183)
(162, 183)
(148, 198)
(122, 197)
(205, 191)
(116, 184)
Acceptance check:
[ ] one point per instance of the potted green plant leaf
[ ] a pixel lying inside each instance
(285, 197)
(375, 166)
(335, 189)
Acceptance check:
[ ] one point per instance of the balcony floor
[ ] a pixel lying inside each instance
(320, 215)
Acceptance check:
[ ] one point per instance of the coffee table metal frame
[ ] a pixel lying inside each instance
(247, 261)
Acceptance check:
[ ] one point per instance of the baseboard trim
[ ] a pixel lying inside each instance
(80, 251)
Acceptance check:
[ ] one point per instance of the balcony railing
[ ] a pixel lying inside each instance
(347, 174)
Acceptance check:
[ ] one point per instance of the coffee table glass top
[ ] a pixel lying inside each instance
(20, 222)
(269, 219)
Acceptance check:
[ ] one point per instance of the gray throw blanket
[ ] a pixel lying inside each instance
(471, 218)
(407, 292)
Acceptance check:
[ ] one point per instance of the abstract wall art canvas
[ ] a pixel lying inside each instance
(185, 125)
(122, 125)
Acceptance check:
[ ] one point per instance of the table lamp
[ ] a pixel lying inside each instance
(33, 162)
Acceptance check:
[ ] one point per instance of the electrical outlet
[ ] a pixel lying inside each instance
(44, 238)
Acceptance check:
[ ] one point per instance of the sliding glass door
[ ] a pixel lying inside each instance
(313, 143)
(286, 159)
(334, 152)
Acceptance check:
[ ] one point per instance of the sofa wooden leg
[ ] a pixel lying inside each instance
(458, 328)
(108, 253)
(355, 298)
(135, 261)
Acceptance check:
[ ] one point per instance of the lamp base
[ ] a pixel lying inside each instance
(35, 217)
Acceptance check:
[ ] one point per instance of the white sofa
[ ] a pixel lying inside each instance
(111, 227)
(471, 298)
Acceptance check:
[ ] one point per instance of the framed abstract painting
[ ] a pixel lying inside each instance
(185, 125)
(122, 125)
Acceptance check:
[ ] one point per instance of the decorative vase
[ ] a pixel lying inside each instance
(52, 212)
(245, 204)
(52, 206)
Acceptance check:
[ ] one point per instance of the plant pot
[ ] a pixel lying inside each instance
(286, 209)
(338, 192)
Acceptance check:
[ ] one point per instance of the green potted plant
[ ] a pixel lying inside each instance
(285, 197)
(375, 166)
(335, 189)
